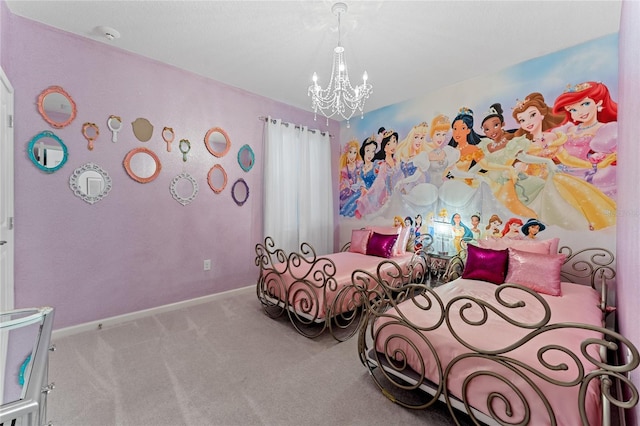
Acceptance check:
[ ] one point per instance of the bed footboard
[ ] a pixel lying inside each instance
(400, 345)
(303, 286)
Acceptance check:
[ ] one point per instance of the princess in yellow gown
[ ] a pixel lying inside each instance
(589, 206)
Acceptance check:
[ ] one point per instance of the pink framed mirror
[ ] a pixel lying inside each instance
(217, 178)
(142, 165)
(57, 107)
(217, 141)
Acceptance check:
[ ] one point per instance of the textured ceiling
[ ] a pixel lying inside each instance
(272, 48)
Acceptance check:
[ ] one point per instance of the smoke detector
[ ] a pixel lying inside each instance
(107, 32)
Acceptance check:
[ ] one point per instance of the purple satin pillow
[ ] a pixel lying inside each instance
(539, 272)
(486, 264)
(381, 245)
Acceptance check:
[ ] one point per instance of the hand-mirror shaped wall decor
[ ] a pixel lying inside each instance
(56, 107)
(114, 123)
(142, 165)
(168, 136)
(240, 191)
(185, 147)
(217, 141)
(246, 158)
(184, 188)
(90, 183)
(90, 132)
(47, 151)
(217, 178)
(143, 129)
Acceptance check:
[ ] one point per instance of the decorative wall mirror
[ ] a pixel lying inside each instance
(114, 123)
(142, 165)
(217, 141)
(90, 132)
(217, 178)
(143, 129)
(240, 191)
(57, 107)
(185, 147)
(246, 158)
(184, 188)
(47, 151)
(90, 183)
(168, 136)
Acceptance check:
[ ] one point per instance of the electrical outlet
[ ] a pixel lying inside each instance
(207, 264)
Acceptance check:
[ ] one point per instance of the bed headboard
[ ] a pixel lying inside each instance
(588, 266)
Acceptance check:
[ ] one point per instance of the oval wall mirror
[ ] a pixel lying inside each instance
(90, 183)
(240, 191)
(142, 165)
(114, 123)
(143, 129)
(90, 132)
(246, 158)
(217, 141)
(56, 107)
(47, 151)
(217, 178)
(184, 188)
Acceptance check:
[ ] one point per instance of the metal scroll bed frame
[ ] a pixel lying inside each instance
(412, 389)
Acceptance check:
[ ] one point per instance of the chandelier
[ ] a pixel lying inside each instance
(340, 97)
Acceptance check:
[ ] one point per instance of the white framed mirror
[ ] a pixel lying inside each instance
(90, 183)
(184, 188)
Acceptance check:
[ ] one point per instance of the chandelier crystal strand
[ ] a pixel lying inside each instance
(340, 97)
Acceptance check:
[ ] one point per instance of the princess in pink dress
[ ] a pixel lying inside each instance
(591, 126)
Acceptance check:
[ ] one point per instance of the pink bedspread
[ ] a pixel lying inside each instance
(578, 304)
(311, 297)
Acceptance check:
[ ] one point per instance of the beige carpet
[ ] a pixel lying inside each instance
(218, 363)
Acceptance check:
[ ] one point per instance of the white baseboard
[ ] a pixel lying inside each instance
(118, 319)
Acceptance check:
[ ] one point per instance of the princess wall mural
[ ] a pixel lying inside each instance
(533, 159)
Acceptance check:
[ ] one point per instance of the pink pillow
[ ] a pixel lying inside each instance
(539, 272)
(381, 245)
(359, 240)
(532, 246)
(403, 239)
(389, 230)
(486, 264)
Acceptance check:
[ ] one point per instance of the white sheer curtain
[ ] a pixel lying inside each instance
(298, 193)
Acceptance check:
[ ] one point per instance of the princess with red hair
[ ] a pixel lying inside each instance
(590, 123)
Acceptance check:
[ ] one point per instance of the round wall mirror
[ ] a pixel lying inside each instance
(90, 183)
(217, 178)
(184, 188)
(114, 123)
(217, 141)
(240, 191)
(90, 132)
(56, 107)
(142, 165)
(246, 158)
(47, 151)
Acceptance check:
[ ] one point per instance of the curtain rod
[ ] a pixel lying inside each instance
(263, 118)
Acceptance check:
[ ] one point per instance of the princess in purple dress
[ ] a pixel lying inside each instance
(350, 183)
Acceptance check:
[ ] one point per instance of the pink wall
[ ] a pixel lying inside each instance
(628, 247)
(138, 248)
